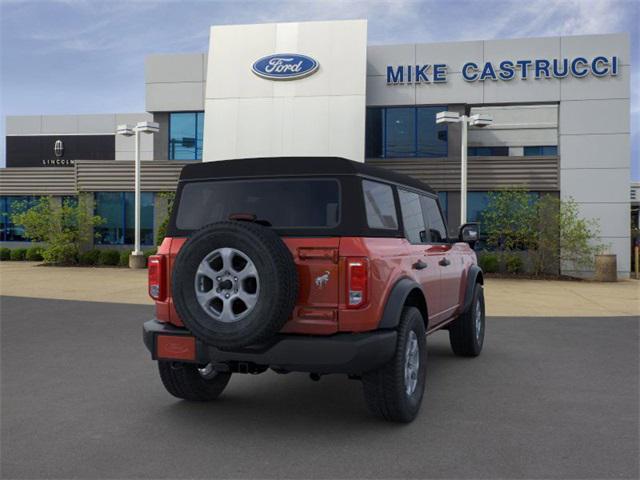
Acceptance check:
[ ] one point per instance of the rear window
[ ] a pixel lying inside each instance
(283, 203)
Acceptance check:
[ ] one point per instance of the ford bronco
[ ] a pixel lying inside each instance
(318, 265)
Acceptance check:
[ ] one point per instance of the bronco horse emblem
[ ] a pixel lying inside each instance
(322, 280)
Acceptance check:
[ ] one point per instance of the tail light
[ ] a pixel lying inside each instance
(157, 277)
(357, 281)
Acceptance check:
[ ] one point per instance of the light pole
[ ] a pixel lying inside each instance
(477, 120)
(136, 259)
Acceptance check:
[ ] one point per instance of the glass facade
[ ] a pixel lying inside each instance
(488, 151)
(477, 203)
(405, 132)
(9, 232)
(541, 151)
(117, 209)
(185, 135)
(444, 203)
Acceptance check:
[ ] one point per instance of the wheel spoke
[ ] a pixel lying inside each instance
(204, 298)
(226, 255)
(248, 299)
(249, 271)
(205, 269)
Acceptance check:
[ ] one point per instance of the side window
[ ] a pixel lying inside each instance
(380, 206)
(412, 218)
(433, 218)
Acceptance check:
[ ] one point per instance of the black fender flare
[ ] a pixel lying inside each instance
(396, 301)
(474, 276)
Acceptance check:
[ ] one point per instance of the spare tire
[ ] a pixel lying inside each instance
(234, 284)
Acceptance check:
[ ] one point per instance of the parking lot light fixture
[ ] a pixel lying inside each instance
(136, 259)
(476, 120)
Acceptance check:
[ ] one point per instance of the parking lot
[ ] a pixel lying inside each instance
(549, 397)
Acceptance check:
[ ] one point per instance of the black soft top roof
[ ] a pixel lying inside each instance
(294, 166)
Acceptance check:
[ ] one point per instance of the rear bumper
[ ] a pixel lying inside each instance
(351, 353)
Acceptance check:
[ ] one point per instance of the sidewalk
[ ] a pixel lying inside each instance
(504, 297)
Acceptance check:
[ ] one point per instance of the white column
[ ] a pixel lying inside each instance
(463, 172)
(136, 250)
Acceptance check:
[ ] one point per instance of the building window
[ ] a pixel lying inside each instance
(9, 232)
(185, 135)
(541, 151)
(488, 151)
(443, 197)
(478, 202)
(405, 132)
(117, 209)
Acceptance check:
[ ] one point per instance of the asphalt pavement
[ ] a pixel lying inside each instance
(548, 398)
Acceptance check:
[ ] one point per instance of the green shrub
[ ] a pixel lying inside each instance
(34, 254)
(109, 257)
(90, 257)
(5, 254)
(61, 254)
(513, 263)
(18, 254)
(63, 228)
(148, 253)
(162, 227)
(124, 258)
(489, 262)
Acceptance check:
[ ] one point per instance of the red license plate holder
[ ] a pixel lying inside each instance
(176, 347)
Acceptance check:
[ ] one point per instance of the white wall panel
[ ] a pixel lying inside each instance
(453, 54)
(521, 49)
(520, 91)
(596, 185)
(174, 68)
(613, 220)
(23, 125)
(97, 124)
(595, 151)
(455, 90)
(593, 45)
(247, 115)
(593, 88)
(59, 124)
(381, 94)
(174, 97)
(379, 56)
(594, 117)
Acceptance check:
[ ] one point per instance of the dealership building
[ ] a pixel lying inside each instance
(560, 108)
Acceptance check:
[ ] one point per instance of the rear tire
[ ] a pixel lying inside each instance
(466, 333)
(185, 381)
(388, 391)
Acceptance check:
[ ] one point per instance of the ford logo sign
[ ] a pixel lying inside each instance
(285, 66)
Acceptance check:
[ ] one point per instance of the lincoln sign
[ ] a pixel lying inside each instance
(506, 70)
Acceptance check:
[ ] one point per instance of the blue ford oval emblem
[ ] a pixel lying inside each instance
(285, 66)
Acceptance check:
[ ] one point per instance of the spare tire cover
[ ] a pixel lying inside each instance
(234, 284)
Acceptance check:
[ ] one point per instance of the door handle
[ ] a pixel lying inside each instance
(444, 262)
(419, 265)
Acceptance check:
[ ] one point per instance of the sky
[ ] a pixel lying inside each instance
(87, 56)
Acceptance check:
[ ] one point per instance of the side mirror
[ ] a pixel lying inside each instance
(469, 233)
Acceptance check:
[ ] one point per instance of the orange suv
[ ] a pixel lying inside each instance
(310, 264)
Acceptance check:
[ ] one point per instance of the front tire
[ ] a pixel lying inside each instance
(395, 391)
(188, 382)
(466, 333)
